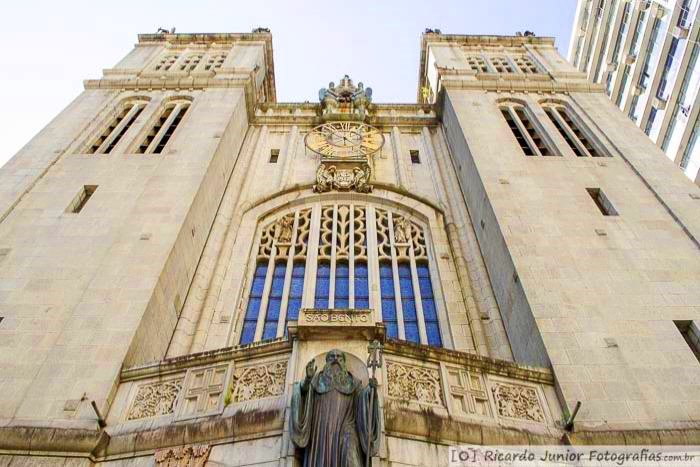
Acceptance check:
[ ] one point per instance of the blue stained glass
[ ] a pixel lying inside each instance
(361, 286)
(342, 285)
(296, 290)
(275, 302)
(323, 278)
(432, 327)
(251, 314)
(408, 303)
(386, 286)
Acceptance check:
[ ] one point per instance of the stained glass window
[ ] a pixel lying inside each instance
(432, 327)
(296, 290)
(342, 285)
(275, 301)
(408, 303)
(323, 279)
(386, 283)
(361, 286)
(256, 294)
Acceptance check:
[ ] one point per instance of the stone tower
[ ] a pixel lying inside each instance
(176, 247)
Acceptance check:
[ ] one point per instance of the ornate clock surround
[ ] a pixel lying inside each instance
(344, 142)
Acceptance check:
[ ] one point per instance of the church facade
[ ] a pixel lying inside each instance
(192, 273)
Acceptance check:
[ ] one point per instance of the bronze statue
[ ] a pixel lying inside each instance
(332, 413)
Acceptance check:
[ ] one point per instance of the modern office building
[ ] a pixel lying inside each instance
(645, 54)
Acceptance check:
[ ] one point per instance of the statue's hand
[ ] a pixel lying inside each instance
(311, 369)
(373, 383)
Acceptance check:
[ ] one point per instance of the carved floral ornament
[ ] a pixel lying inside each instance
(155, 399)
(183, 456)
(517, 401)
(414, 383)
(259, 381)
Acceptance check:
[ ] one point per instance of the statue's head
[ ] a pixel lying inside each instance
(335, 360)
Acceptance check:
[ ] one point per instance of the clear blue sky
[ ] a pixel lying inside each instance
(51, 46)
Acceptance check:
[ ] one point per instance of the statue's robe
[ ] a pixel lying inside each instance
(330, 421)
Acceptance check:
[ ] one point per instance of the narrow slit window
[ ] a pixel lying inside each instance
(361, 286)
(522, 142)
(477, 64)
(215, 62)
(323, 279)
(408, 303)
(274, 155)
(691, 333)
(342, 285)
(534, 134)
(114, 132)
(415, 156)
(571, 131)
(296, 290)
(604, 205)
(274, 303)
(163, 130)
(81, 199)
(257, 287)
(501, 65)
(432, 326)
(166, 62)
(386, 284)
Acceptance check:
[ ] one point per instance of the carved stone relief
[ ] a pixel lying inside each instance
(155, 399)
(329, 177)
(259, 381)
(414, 383)
(468, 392)
(516, 401)
(183, 456)
(204, 387)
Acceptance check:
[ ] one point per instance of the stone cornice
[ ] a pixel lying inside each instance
(473, 361)
(522, 85)
(227, 354)
(380, 114)
(221, 38)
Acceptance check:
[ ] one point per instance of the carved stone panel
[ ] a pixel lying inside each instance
(468, 392)
(203, 390)
(517, 402)
(183, 456)
(414, 383)
(259, 381)
(155, 399)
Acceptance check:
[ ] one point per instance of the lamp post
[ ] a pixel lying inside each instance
(374, 361)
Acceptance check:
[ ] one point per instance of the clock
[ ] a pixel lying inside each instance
(344, 140)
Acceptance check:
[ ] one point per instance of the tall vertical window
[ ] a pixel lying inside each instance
(255, 297)
(682, 104)
(117, 127)
(164, 128)
(570, 130)
(624, 26)
(605, 38)
(521, 126)
(655, 42)
(347, 275)
(684, 16)
(661, 92)
(276, 290)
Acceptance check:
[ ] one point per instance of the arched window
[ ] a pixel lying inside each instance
(572, 132)
(336, 246)
(527, 136)
(167, 62)
(164, 127)
(117, 128)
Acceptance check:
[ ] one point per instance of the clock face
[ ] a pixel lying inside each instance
(344, 139)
